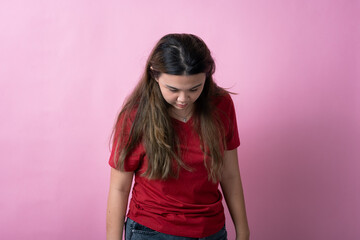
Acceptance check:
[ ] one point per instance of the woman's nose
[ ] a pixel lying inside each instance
(182, 97)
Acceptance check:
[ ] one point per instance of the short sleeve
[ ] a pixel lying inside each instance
(134, 159)
(228, 117)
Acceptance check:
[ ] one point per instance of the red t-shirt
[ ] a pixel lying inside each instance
(191, 205)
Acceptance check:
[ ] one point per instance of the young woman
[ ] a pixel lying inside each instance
(177, 135)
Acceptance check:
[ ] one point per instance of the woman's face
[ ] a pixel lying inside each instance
(181, 91)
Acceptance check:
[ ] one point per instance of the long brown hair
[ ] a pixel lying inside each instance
(151, 125)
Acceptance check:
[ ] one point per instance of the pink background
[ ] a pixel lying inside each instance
(66, 66)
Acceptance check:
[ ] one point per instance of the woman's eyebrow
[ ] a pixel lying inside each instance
(178, 89)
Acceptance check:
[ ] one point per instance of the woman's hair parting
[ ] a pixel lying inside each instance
(144, 118)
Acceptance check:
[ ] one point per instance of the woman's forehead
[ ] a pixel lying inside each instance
(182, 81)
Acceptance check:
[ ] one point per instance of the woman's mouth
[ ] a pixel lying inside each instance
(179, 105)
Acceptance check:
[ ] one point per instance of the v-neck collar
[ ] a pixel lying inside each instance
(182, 122)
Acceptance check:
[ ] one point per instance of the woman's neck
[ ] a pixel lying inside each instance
(182, 115)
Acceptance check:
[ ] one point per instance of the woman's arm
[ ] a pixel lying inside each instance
(120, 185)
(233, 193)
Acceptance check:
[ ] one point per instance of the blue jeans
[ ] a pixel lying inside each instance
(136, 231)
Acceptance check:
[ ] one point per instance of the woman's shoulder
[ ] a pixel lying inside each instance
(222, 100)
(126, 118)
(128, 113)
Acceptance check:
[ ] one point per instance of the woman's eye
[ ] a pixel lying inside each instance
(193, 90)
(173, 90)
